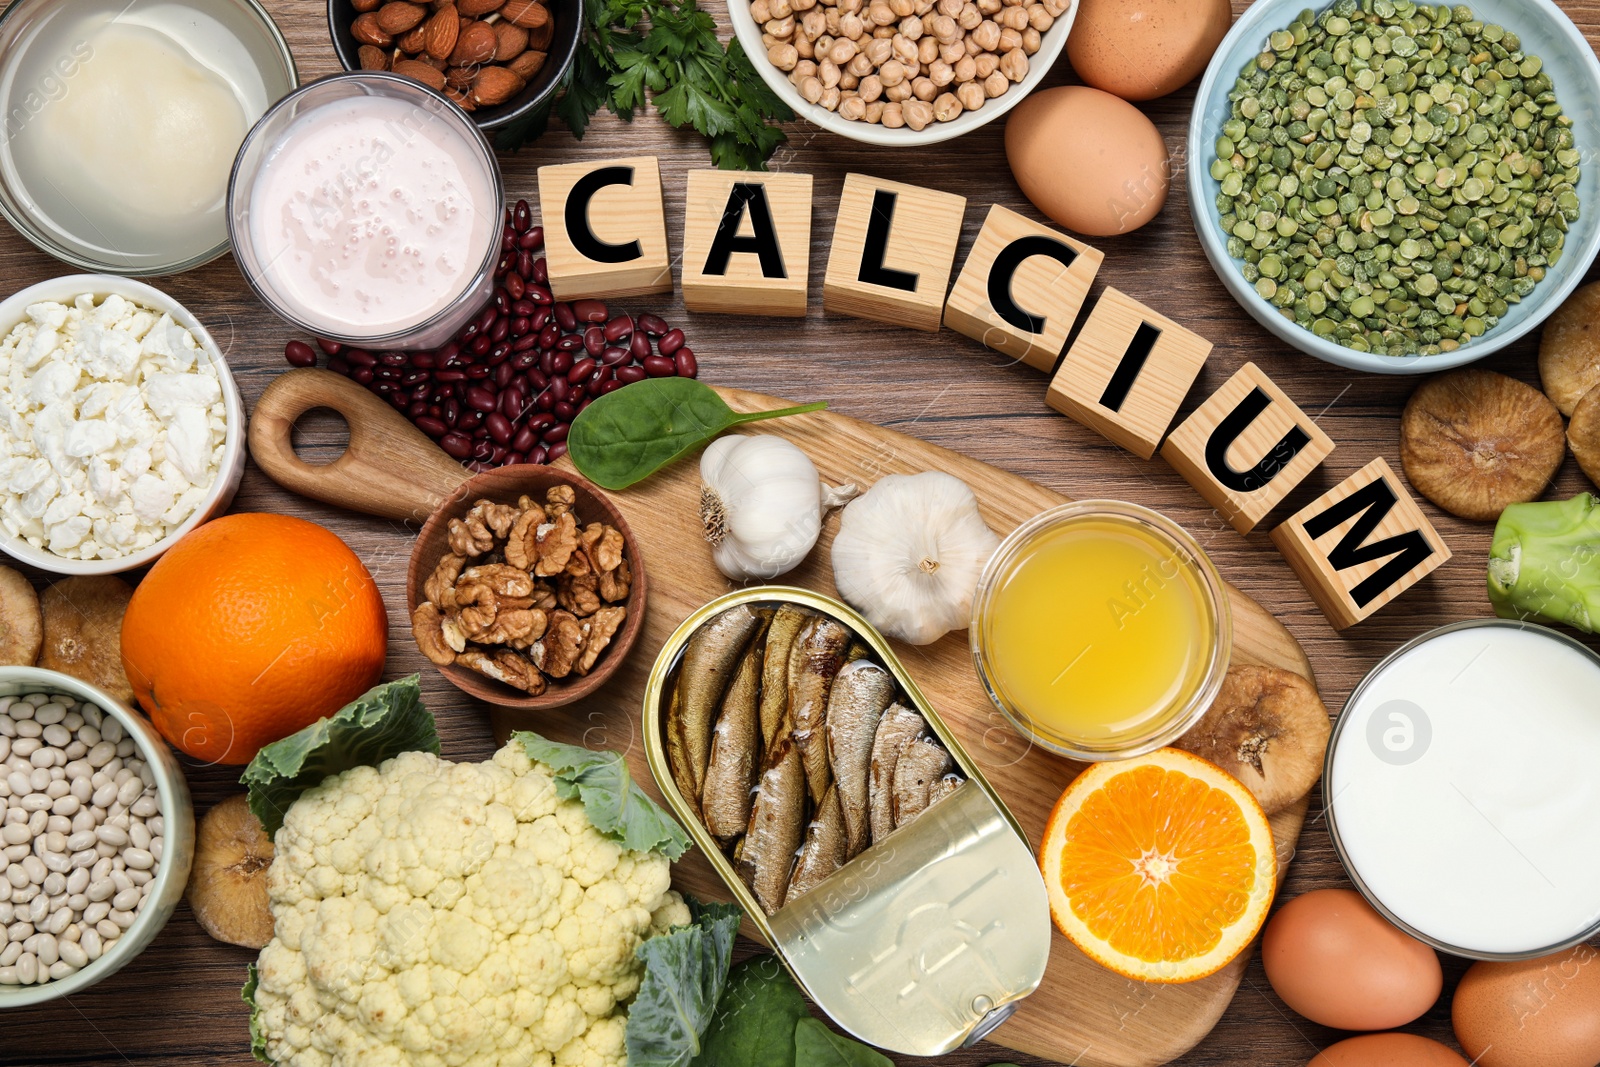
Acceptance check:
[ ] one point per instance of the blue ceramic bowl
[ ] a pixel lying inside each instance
(1574, 71)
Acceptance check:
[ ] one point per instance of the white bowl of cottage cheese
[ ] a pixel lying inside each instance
(121, 428)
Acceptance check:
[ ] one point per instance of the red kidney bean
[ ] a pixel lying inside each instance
(594, 340)
(558, 389)
(531, 240)
(540, 295)
(503, 375)
(452, 411)
(483, 450)
(611, 387)
(560, 362)
(660, 367)
(526, 344)
(589, 311)
(537, 454)
(392, 359)
(457, 445)
(508, 239)
(629, 375)
(565, 411)
(547, 362)
(477, 374)
(450, 376)
(447, 353)
(688, 366)
(525, 308)
(565, 317)
(619, 327)
(480, 345)
(499, 427)
(300, 354)
(639, 346)
(436, 411)
(416, 409)
(519, 326)
(424, 360)
(358, 357)
(514, 458)
(612, 357)
(525, 264)
(362, 375)
(544, 401)
(422, 391)
(383, 389)
(549, 335)
(507, 261)
(511, 403)
(471, 418)
(431, 426)
(557, 450)
(332, 348)
(654, 325)
(499, 354)
(500, 330)
(599, 378)
(581, 370)
(478, 468)
(388, 374)
(558, 432)
(670, 342)
(541, 420)
(524, 439)
(572, 342)
(541, 273)
(538, 380)
(522, 217)
(481, 399)
(338, 366)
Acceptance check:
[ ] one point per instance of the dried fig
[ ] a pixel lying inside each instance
(1569, 349)
(1583, 434)
(420, 71)
(1269, 729)
(21, 625)
(83, 631)
(1473, 441)
(228, 882)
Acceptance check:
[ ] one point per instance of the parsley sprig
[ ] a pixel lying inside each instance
(666, 52)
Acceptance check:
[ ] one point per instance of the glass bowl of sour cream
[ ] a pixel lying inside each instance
(367, 209)
(122, 120)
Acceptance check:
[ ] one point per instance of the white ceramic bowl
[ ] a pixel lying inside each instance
(64, 289)
(177, 846)
(1545, 32)
(749, 33)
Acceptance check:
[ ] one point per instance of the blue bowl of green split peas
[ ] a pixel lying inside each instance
(1408, 267)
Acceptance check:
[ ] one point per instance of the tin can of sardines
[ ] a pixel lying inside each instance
(847, 820)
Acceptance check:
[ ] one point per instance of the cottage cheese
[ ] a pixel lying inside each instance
(111, 427)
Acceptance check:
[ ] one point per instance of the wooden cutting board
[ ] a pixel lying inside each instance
(1081, 1014)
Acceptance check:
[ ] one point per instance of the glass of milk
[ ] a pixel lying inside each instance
(1462, 791)
(122, 119)
(368, 209)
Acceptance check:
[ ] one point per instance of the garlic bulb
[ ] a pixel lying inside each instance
(762, 504)
(909, 554)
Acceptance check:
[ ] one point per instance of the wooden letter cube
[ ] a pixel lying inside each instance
(1021, 287)
(1360, 544)
(747, 242)
(893, 247)
(1246, 447)
(605, 230)
(1127, 373)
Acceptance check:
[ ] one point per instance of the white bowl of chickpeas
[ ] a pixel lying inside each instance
(902, 72)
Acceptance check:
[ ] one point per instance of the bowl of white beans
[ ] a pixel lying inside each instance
(96, 835)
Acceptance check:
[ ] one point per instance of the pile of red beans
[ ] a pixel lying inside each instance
(506, 389)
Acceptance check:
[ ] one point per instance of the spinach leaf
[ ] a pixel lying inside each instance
(685, 973)
(614, 803)
(755, 1021)
(817, 1046)
(630, 434)
(380, 724)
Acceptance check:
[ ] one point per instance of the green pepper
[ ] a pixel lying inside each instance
(1545, 562)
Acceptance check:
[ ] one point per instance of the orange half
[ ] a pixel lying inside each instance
(1161, 867)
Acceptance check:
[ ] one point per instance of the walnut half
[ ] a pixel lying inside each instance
(506, 666)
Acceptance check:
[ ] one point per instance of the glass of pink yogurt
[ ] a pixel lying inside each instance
(366, 208)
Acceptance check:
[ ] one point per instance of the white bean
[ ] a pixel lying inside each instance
(112, 730)
(108, 929)
(126, 900)
(46, 949)
(27, 968)
(103, 889)
(80, 788)
(121, 880)
(20, 931)
(81, 840)
(9, 954)
(145, 807)
(123, 919)
(137, 858)
(7, 911)
(50, 713)
(29, 729)
(57, 735)
(97, 910)
(90, 736)
(38, 909)
(15, 834)
(73, 721)
(101, 754)
(8, 976)
(34, 868)
(59, 920)
(73, 954)
(66, 805)
(91, 943)
(142, 877)
(139, 835)
(77, 901)
(61, 969)
(126, 748)
(55, 884)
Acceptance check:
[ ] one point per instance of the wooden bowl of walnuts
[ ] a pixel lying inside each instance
(499, 60)
(526, 588)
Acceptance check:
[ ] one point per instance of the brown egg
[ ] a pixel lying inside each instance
(1142, 49)
(1336, 961)
(1088, 159)
(1387, 1050)
(1534, 1013)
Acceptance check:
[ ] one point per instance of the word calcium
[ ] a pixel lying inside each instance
(746, 250)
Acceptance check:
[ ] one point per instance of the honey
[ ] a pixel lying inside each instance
(1099, 631)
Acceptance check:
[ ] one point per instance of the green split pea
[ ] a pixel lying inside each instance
(1394, 176)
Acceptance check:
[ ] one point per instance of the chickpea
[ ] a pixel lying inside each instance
(953, 52)
(966, 69)
(860, 66)
(911, 28)
(970, 18)
(831, 97)
(828, 71)
(768, 41)
(1032, 39)
(761, 12)
(783, 56)
(782, 28)
(1014, 18)
(905, 50)
(812, 24)
(806, 68)
(927, 51)
(851, 26)
(924, 89)
(880, 13)
(970, 46)
(848, 81)
(781, 9)
(853, 108)
(919, 114)
(924, 8)
(995, 84)
(986, 36)
(851, 7)
(1039, 18)
(802, 6)
(811, 90)
(950, 8)
(989, 7)
(1014, 65)
(941, 74)
(903, 8)
(871, 88)
(885, 33)
(898, 93)
(987, 63)
(971, 95)
(844, 50)
(879, 51)
(892, 73)
(824, 42)
(893, 117)
(1056, 8)
(947, 107)
(945, 29)
(1010, 40)
(805, 46)
(830, 21)
(875, 112)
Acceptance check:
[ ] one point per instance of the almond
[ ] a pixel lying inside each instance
(366, 30)
(513, 41)
(496, 85)
(479, 8)
(372, 57)
(363, 6)
(398, 16)
(412, 42)
(540, 36)
(527, 64)
(460, 77)
(475, 46)
(460, 99)
(420, 71)
(529, 14)
(441, 31)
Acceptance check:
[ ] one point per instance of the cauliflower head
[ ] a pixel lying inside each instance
(438, 914)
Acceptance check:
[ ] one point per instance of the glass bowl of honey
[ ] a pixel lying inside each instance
(1101, 630)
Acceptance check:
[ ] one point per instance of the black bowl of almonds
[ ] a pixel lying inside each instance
(500, 60)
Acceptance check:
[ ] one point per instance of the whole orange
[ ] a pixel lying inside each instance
(248, 629)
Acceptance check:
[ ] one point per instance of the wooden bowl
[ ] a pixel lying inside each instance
(504, 485)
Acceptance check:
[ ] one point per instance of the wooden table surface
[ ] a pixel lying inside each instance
(178, 1005)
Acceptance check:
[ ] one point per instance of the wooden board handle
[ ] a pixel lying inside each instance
(390, 469)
